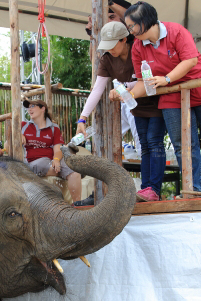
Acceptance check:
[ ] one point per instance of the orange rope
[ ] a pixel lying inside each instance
(41, 18)
(41, 14)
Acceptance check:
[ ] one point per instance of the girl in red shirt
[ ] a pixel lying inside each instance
(42, 141)
(171, 52)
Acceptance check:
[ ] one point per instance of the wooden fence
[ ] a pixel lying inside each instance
(67, 105)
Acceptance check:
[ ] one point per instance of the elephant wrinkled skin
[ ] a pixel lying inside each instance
(36, 225)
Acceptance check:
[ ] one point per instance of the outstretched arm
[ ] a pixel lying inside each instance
(118, 9)
(92, 101)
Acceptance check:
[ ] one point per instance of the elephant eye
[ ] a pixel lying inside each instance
(13, 214)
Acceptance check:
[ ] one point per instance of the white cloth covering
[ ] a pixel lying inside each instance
(127, 123)
(155, 258)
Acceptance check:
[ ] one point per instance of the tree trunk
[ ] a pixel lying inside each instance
(15, 80)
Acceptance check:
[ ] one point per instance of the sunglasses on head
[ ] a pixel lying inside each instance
(32, 106)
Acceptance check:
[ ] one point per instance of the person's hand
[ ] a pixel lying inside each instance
(23, 140)
(81, 129)
(114, 95)
(88, 27)
(158, 81)
(56, 165)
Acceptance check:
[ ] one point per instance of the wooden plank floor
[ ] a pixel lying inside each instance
(169, 206)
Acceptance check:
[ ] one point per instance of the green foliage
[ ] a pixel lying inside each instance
(5, 69)
(70, 61)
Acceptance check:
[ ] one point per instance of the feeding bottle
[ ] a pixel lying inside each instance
(146, 74)
(88, 145)
(126, 95)
(79, 138)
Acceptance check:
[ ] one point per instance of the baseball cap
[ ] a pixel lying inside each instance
(26, 103)
(111, 33)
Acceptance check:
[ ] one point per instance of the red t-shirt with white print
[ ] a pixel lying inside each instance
(40, 142)
(177, 46)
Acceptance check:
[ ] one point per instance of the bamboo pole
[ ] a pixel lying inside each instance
(48, 89)
(5, 116)
(64, 120)
(70, 117)
(67, 122)
(76, 108)
(186, 142)
(58, 105)
(61, 113)
(41, 90)
(8, 135)
(15, 80)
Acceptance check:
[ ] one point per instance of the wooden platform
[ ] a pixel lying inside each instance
(172, 206)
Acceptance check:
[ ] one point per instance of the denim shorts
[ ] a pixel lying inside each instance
(41, 166)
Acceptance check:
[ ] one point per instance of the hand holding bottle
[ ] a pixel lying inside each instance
(114, 96)
(81, 129)
(79, 138)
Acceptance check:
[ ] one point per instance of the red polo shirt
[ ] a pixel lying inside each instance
(177, 46)
(40, 142)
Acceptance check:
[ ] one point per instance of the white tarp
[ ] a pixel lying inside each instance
(155, 258)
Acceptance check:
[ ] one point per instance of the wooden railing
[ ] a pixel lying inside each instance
(66, 105)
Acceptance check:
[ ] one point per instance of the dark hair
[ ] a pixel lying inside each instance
(130, 37)
(46, 115)
(142, 13)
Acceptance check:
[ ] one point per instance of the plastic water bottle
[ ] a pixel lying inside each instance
(88, 145)
(127, 97)
(79, 138)
(146, 74)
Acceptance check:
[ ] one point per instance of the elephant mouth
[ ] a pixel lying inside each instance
(47, 274)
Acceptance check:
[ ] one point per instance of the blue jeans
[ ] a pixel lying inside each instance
(173, 123)
(151, 133)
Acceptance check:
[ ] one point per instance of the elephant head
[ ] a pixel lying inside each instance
(37, 226)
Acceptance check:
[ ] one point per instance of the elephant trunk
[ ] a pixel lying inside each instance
(81, 232)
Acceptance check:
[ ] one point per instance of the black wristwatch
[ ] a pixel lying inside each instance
(167, 79)
(110, 2)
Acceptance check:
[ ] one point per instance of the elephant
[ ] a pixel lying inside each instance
(38, 226)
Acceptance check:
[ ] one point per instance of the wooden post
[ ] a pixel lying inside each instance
(15, 80)
(107, 141)
(186, 142)
(8, 135)
(97, 121)
(48, 89)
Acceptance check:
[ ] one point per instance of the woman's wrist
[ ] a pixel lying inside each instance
(81, 120)
(56, 159)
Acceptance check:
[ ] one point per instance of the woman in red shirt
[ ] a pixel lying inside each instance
(173, 57)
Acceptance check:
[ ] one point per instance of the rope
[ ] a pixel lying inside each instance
(41, 18)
